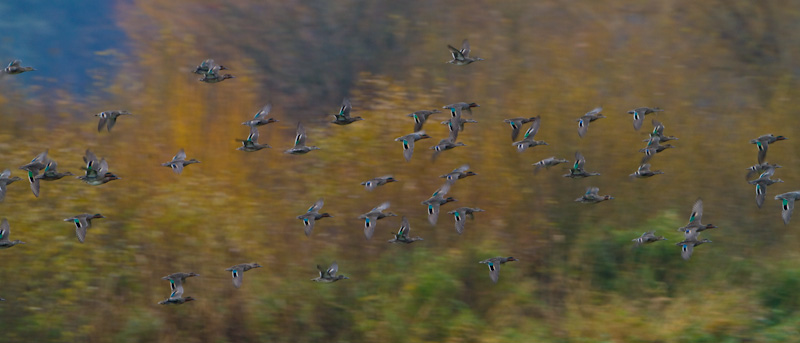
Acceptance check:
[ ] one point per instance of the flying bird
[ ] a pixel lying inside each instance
(584, 120)
(494, 264)
(461, 57)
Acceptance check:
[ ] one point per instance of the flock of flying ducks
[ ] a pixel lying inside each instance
(96, 172)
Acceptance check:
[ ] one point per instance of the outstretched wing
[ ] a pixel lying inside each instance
(761, 193)
(300, 138)
(533, 129)
(404, 227)
(90, 159)
(494, 271)
(433, 213)
(457, 55)
(382, 207)
(177, 167)
(583, 126)
(180, 156)
(317, 205)
(697, 212)
(465, 48)
(579, 160)
(103, 119)
(35, 186)
(369, 226)
(333, 269)
(638, 119)
(370, 184)
(176, 285)
(253, 136)
(80, 231)
(5, 230)
(787, 208)
(658, 128)
(308, 224)
(515, 126)
(461, 169)
(595, 111)
(345, 110)
(103, 168)
(762, 151)
(237, 277)
(264, 112)
(408, 147)
(459, 218)
(686, 250)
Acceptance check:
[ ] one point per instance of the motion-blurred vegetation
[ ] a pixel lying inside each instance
(725, 71)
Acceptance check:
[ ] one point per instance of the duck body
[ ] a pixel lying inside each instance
(763, 142)
(175, 300)
(577, 170)
(695, 219)
(409, 141)
(435, 202)
(179, 161)
(461, 56)
(51, 173)
(687, 246)
(494, 264)
(96, 170)
(761, 184)
(446, 144)
(456, 108)
(653, 147)
(528, 140)
(378, 181)
(300, 142)
(371, 218)
(109, 118)
(260, 118)
(420, 117)
(312, 215)
(787, 204)
(516, 125)
(639, 113)
(658, 131)
(644, 171)
(329, 275)
(99, 180)
(759, 169)
(402, 235)
(238, 270)
(457, 123)
(206, 66)
(179, 276)
(250, 144)
(176, 281)
(5, 233)
(36, 165)
(592, 197)
(5, 180)
(458, 174)
(584, 120)
(462, 213)
(15, 68)
(548, 162)
(343, 117)
(214, 76)
(647, 238)
(82, 223)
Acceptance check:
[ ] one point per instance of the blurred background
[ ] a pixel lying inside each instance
(725, 71)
